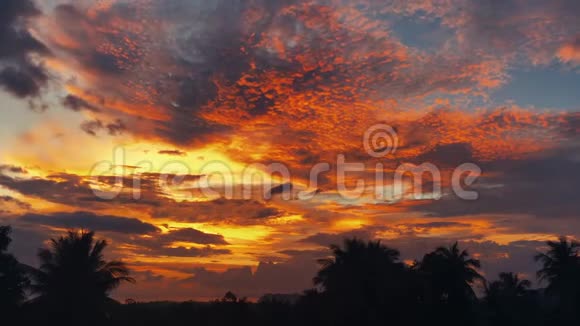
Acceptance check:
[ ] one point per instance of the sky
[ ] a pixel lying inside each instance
(205, 139)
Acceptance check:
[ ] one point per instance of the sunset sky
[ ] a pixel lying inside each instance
(190, 97)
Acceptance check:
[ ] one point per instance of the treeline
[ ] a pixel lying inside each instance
(362, 283)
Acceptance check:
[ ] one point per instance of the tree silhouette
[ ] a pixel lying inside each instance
(508, 301)
(74, 281)
(561, 270)
(451, 273)
(13, 280)
(560, 264)
(447, 275)
(509, 285)
(363, 283)
(231, 297)
(360, 283)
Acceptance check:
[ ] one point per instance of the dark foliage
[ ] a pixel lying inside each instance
(13, 279)
(361, 283)
(73, 283)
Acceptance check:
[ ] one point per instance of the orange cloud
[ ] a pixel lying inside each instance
(570, 52)
(295, 83)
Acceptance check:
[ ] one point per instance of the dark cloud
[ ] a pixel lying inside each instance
(12, 200)
(164, 244)
(115, 128)
(234, 211)
(185, 126)
(76, 103)
(296, 275)
(233, 278)
(92, 221)
(147, 276)
(25, 80)
(119, 56)
(104, 62)
(93, 127)
(280, 189)
(64, 189)
(13, 12)
(436, 225)
(193, 235)
(173, 152)
(74, 21)
(76, 191)
(543, 185)
(206, 251)
(448, 155)
(12, 169)
(19, 75)
(187, 129)
(309, 254)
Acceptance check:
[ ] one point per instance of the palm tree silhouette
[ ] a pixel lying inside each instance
(13, 279)
(451, 273)
(74, 281)
(561, 270)
(560, 264)
(354, 260)
(509, 285)
(363, 283)
(508, 302)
